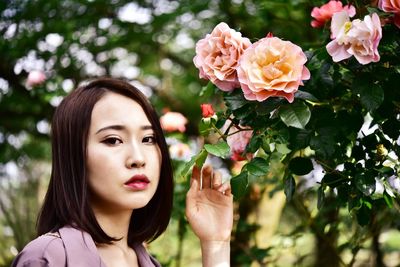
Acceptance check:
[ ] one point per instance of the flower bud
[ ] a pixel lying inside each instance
(207, 110)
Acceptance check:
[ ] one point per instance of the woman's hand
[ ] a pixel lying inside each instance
(209, 210)
(209, 206)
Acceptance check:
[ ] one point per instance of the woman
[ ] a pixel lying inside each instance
(111, 186)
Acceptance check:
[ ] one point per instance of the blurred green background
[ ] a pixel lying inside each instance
(151, 43)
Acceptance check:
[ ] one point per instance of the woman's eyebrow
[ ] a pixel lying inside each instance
(112, 127)
(121, 127)
(146, 127)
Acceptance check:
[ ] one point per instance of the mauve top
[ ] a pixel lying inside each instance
(72, 248)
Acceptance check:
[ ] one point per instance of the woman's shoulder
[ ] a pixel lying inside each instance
(45, 250)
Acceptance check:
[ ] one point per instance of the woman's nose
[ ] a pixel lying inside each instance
(135, 158)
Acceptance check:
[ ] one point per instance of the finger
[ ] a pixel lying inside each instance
(194, 186)
(190, 198)
(225, 188)
(206, 174)
(195, 175)
(217, 179)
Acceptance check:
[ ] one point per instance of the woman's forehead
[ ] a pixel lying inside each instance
(117, 109)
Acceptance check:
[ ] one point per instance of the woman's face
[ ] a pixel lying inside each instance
(123, 158)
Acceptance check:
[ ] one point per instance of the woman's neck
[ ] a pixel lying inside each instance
(116, 225)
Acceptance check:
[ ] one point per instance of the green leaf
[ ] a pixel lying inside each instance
(324, 145)
(258, 166)
(255, 143)
(388, 199)
(363, 215)
(332, 179)
(355, 203)
(197, 159)
(204, 128)
(296, 115)
(386, 171)
(321, 197)
(235, 100)
(185, 171)
(207, 90)
(266, 107)
(201, 158)
(243, 112)
(365, 182)
(220, 149)
(289, 187)
(371, 96)
(301, 166)
(239, 184)
(221, 120)
(305, 95)
(282, 148)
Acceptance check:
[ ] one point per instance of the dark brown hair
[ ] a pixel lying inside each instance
(67, 198)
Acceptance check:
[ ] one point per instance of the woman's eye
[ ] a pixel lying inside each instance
(149, 139)
(112, 141)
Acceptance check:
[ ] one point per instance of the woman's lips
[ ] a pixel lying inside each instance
(138, 182)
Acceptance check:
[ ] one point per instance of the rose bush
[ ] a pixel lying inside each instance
(319, 125)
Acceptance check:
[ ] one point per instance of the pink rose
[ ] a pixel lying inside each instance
(392, 6)
(217, 56)
(272, 67)
(173, 121)
(358, 38)
(35, 77)
(325, 12)
(238, 141)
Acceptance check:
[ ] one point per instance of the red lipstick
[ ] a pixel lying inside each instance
(138, 182)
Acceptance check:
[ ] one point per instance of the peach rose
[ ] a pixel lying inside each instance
(173, 121)
(217, 56)
(35, 77)
(272, 67)
(325, 12)
(391, 6)
(358, 38)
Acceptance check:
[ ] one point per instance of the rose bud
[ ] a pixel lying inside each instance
(207, 110)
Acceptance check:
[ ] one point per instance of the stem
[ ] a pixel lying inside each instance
(221, 135)
(241, 130)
